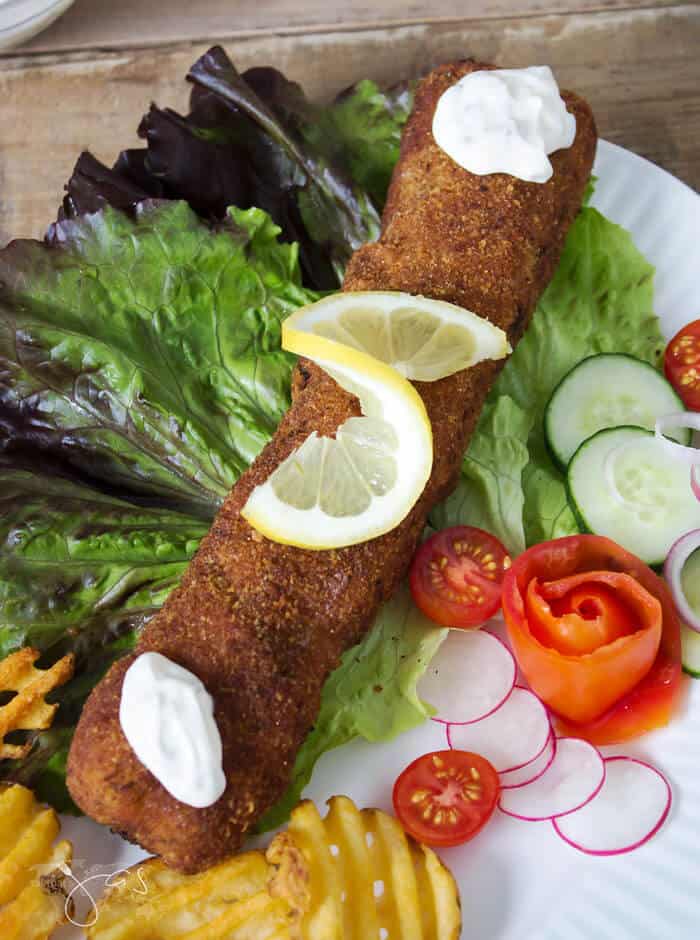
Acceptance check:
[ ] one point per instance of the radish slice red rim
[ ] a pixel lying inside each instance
(572, 779)
(509, 738)
(470, 676)
(532, 771)
(630, 808)
(673, 572)
(695, 480)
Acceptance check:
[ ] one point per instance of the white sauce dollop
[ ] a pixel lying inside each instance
(167, 716)
(504, 121)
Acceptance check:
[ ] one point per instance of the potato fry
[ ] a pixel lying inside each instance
(367, 878)
(32, 890)
(228, 902)
(28, 711)
(351, 876)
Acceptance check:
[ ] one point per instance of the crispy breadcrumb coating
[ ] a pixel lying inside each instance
(263, 624)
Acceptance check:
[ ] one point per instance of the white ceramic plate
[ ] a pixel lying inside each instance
(22, 19)
(518, 880)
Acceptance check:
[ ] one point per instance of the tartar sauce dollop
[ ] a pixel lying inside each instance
(504, 121)
(167, 717)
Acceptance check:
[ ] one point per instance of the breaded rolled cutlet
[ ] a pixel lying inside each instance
(263, 624)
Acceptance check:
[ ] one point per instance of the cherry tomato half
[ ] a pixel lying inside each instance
(682, 364)
(456, 576)
(447, 797)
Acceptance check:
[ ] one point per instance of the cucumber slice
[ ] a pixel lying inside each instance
(606, 391)
(690, 655)
(690, 639)
(654, 504)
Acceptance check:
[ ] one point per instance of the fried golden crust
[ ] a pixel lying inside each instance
(263, 624)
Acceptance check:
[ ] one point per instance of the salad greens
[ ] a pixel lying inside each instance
(489, 493)
(253, 140)
(80, 572)
(362, 129)
(141, 372)
(605, 287)
(80, 569)
(146, 352)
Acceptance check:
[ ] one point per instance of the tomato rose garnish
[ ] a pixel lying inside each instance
(596, 635)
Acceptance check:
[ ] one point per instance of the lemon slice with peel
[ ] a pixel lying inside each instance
(338, 491)
(422, 339)
(333, 492)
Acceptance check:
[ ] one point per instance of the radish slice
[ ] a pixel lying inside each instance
(532, 771)
(572, 779)
(511, 737)
(629, 809)
(673, 571)
(471, 675)
(695, 480)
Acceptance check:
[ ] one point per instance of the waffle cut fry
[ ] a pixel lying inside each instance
(366, 877)
(351, 876)
(32, 892)
(28, 710)
(228, 902)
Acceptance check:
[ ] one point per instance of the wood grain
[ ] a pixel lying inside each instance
(639, 70)
(109, 25)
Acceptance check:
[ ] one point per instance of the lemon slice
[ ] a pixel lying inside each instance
(363, 482)
(338, 491)
(424, 340)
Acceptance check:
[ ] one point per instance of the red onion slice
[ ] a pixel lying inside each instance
(629, 809)
(673, 571)
(683, 419)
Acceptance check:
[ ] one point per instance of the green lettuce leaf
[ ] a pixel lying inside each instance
(78, 566)
(489, 493)
(361, 130)
(332, 207)
(254, 139)
(80, 572)
(146, 353)
(599, 300)
(372, 694)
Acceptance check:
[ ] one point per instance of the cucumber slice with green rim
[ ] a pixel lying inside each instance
(606, 391)
(690, 639)
(653, 504)
(690, 651)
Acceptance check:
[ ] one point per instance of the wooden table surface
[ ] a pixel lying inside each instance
(85, 82)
